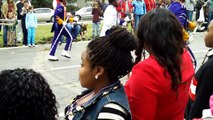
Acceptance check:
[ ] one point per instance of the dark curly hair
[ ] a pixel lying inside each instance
(113, 52)
(25, 95)
(161, 32)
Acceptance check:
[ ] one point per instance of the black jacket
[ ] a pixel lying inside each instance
(204, 89)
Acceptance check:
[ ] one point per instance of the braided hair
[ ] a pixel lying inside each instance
(25, 95)
(161, 32)
(113, 52)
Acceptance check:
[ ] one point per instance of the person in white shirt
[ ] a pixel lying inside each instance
(110, 17)
(189, 4)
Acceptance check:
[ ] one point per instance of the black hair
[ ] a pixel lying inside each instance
(111, 1)
(26, 1)
(61, 0)
(113, 52)
(25, 95)
(162, 33)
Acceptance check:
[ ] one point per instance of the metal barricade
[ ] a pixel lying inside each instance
(8, 22)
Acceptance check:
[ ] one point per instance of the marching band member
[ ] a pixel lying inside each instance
(60, 28)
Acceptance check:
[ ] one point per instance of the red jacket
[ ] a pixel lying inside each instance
(150, 93)
(122, 8)
(150, 4)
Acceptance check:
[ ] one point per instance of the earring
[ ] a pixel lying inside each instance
(96, 77)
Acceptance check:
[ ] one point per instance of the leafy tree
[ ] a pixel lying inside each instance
(42, 3)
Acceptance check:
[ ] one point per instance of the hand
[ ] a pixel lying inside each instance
(64, 23)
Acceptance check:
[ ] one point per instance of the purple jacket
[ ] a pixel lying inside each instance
(180, 12)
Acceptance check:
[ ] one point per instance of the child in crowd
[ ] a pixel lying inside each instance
(159, 84)
(31, 24)
(203, 80)
(83, 31)
(11, 32)
(26, 95)
(105, 60)
(96, 12)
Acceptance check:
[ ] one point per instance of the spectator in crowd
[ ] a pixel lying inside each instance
(189, 4)
(105, 60)
(210, 10)
(97, 13)
(11, 31)
(23, 13)
(31, 24)
(60, 28)
(8, 5)
(75, 27)
(139, 10)
(203, 80)
(26, 95)
(111, 17)
(161, 4)
(19, 6)
(199, 4)
(124, 8)
(150, 4)
(83, 31)
(159, 84)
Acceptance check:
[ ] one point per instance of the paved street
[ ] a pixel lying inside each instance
(63, 75)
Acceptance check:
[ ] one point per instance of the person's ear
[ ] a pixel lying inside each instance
(99, 71)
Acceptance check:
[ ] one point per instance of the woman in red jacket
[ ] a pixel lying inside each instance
(158, 87)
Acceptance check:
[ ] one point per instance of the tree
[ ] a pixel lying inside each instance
(42, 3)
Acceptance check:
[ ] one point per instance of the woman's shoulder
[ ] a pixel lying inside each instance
(113, 110)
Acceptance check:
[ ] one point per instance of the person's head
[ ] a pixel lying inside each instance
(22, 1)
(30, 9)
(95, 5)
(113, 2)
(10, 14)
(26, 95)
(9, 1)
(26, 4)
(63, 1)
(160, 33)
(209, 36)
(107, 58)
(182, 1)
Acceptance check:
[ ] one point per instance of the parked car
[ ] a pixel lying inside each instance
(84, 13)
(44, 14)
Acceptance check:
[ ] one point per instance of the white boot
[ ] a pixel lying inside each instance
(65, 54)
(52, 58)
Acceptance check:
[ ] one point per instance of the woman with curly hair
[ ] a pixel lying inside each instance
(104, 62)
(158, 87)
(26, 95)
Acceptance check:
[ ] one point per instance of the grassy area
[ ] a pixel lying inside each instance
(43, 34)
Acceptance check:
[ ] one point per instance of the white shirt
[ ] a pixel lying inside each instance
(110, 19)
(189, 4)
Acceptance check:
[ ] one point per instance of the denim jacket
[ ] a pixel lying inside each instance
(91, 109)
